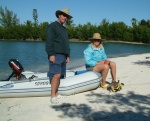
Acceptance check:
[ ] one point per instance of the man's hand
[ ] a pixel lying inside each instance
(68, 60)
(52, 58)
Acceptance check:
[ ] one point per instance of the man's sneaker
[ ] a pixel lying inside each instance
(59, 96)
(54, 101)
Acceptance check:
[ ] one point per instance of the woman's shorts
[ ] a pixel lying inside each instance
(90, 68)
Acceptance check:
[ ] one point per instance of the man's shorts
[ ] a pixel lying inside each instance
(58, 67)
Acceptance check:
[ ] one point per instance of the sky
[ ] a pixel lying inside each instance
(83, 11)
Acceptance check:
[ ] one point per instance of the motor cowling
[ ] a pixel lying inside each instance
(16, 67)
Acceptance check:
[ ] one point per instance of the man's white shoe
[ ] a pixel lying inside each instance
(59, 96)
(54, 100)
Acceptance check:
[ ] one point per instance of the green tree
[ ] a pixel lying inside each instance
(78, 30)
(71, 32)
(134, 22)
(145, 23)
(7, 18)
(28, 29)
(104, 28)
(88, 30)
(42, 30)
(1, 32)
(35, 17)
(69, 22)
(117, 30)
(141, 34)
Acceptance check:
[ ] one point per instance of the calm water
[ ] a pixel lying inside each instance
(33, 57)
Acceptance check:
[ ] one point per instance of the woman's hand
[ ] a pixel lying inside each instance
(103, 62)
(106, 62)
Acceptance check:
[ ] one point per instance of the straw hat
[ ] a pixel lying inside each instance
(65, 11)
(96, 36)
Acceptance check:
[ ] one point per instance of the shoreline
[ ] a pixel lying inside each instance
(76, 40)
(131, 103)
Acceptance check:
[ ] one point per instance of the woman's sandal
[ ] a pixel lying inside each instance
(104, 86)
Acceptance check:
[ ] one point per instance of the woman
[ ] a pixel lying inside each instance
(96, 60)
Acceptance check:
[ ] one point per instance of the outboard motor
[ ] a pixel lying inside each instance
(17, 69)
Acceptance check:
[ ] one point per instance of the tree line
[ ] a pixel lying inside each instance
(10, 28)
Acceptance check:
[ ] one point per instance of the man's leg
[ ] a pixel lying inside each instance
(55, 74)
(55, 84)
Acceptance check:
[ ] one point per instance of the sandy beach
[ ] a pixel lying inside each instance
(132, 103)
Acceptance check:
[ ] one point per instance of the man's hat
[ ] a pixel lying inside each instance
(64, 11)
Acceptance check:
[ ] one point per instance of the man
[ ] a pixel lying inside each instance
(58, 51)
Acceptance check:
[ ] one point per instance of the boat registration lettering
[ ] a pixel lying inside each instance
(42, 83)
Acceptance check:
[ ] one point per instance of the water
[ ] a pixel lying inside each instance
(125, 49)
(33, 57)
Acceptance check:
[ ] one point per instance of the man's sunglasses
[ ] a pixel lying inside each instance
(65, 15)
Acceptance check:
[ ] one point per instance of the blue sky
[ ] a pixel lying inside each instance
(83, 11)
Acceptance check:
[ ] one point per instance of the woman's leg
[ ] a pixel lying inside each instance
(103, 69)
(113, 70)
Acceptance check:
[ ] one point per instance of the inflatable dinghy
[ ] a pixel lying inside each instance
(31, 84)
